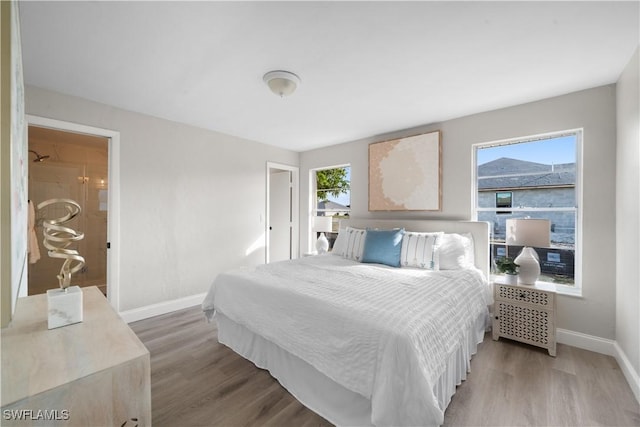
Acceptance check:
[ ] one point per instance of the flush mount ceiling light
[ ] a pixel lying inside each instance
(282, 83)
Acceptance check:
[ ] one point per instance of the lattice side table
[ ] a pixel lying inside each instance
(526, 314)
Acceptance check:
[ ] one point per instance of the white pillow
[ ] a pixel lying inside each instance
(355, 243)
(419, 250)
(340, 244)
(455, 251)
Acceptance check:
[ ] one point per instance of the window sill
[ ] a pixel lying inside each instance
(571, 291)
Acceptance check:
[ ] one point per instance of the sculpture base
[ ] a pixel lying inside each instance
(65, 308)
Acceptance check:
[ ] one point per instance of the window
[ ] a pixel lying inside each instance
(331, 196)
(503, 200)
(533, 177)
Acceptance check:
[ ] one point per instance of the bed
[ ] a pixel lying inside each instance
(357, 338)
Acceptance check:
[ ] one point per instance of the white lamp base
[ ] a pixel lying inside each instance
(322, 244)
(65, 308)
(528, 266)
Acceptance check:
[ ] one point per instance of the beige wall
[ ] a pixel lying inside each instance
(628, 213)
(593, 110)
(192, 201)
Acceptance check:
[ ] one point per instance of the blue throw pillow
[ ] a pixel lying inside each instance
(383, 247)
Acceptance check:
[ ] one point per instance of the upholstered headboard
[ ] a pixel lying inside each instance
(479, 231)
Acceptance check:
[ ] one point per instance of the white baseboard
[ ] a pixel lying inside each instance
(629, 372)
(586, 342)
(161, 308)
(603, 346)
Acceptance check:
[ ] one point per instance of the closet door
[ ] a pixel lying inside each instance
(280, 216)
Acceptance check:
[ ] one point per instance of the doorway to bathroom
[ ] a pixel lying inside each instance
(69, 165)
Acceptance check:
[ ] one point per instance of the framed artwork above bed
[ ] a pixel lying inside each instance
(405, 174)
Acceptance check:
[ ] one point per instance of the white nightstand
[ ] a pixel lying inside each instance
(526, 314)
(310, 253)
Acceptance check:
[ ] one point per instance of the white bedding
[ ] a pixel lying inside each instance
(384, 333)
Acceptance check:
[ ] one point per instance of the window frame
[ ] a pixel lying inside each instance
(313, 195)
(499, 208)
(576, 289)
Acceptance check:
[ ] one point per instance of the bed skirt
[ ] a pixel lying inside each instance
(324, 396)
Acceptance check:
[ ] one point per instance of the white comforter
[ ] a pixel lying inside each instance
(382, 332)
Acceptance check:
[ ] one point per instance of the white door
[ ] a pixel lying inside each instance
(280, 223)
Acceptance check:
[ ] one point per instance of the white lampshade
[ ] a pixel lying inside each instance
(529, 232)
(322, 224)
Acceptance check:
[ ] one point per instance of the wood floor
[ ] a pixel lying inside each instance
(195, 381)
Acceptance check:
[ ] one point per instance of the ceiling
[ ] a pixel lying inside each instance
(367, 68)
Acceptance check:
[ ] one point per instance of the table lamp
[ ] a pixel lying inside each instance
(322, 224)
(528, 233)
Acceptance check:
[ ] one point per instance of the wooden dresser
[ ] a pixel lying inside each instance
(94, 373)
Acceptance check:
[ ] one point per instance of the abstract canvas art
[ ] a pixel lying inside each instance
(404, 174)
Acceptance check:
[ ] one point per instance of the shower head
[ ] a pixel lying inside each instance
(38, 158)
